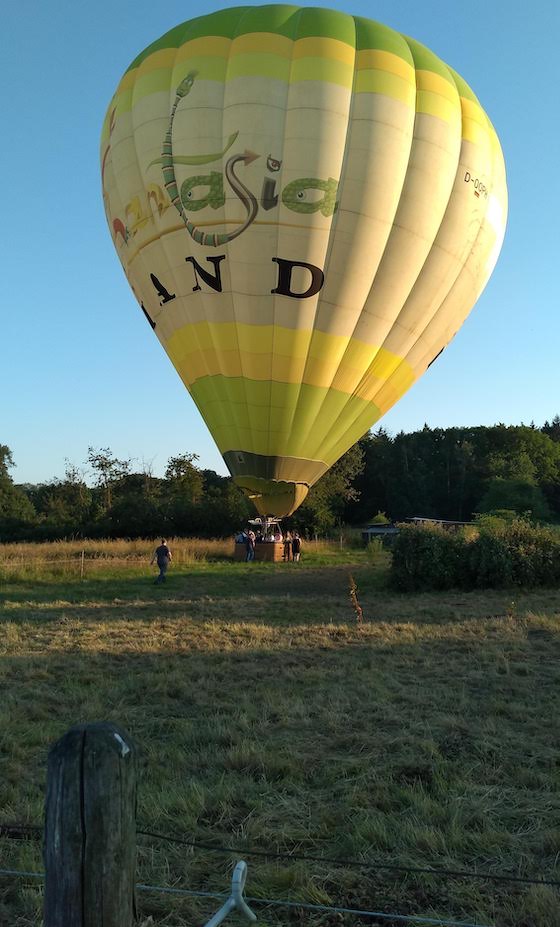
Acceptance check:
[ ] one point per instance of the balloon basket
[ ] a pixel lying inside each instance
(269, 551)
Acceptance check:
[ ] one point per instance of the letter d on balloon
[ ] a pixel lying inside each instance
(284, 285)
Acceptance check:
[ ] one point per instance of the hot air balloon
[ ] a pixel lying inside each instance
(307, 205)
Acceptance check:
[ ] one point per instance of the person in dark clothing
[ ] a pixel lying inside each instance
(162, 555)
(296, 547)
(250, 546)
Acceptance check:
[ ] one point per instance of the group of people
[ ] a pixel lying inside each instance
(292, 548)
(292, 542)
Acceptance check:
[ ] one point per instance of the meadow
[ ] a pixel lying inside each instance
(267, 717)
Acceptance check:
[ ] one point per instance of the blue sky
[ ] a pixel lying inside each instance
(79, 364)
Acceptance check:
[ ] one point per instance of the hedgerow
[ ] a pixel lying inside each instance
(495, 554)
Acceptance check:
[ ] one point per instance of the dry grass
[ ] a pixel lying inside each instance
(67, 559)
(266, 717)
(70, 559)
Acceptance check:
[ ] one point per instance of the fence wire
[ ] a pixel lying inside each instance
(350, 863)
(34, 832)
(281, 903)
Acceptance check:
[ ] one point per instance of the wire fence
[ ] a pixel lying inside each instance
(83, 565)
(35, 557)
(351, 863)
(77, 565)
(34, 832)
(19, 831)
(281, 903)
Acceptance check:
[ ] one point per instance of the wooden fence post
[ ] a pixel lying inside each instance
(90, 829)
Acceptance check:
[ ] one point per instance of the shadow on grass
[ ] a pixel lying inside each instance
(259, 594)
(265, 715)
(228, 581)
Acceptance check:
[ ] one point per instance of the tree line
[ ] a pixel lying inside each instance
(449, 473)
(454, 473)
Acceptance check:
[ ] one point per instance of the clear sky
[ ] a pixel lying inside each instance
(79, 365)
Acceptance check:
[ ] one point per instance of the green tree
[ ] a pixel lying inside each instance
(17, 514)
(552, 429)
(185, 477)
(516, 495)
(324, 507)
(372, 484)
(138, 508)
(224, 508)
(63, 506)
(107, 471)
(183, 492)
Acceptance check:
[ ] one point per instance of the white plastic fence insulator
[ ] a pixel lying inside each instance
(236, 899)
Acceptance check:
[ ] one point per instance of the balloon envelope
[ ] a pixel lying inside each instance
(307, 205)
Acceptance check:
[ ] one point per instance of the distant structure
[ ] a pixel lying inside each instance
(392, 529)
(445, 523)
(379, 531)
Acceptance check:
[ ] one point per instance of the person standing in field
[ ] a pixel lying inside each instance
(296, 547)
(162, 555)
(250, 546)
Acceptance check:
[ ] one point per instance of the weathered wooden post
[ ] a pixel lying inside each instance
(90, 829)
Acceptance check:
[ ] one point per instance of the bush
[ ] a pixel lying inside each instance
(495, 554)
(535, 554)
(375, 551)
(379, 519)
(428, 557)
(489, 561)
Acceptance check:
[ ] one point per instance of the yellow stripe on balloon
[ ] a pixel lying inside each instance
(437, 96)
(476, 126)
(322, 47)
(311, 58)
(266, 43)
(202, 53)
(387, 83)
(165, 58)
(434, 105)
(395, 387)
(156, 81)
(276, 67)
(276, 57)
(325, 70)
(434, 83)
(215, 46)
(375, 59)
(263, 352)
(128, 80)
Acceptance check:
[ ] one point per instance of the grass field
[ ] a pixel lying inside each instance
(267, 717)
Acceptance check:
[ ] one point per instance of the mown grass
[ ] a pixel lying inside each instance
(266, 717)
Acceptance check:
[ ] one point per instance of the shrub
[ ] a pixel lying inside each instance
(495, 553)
(489, 561)
(535, 554)
(375, 551)
(379, 519)
(428, 557)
